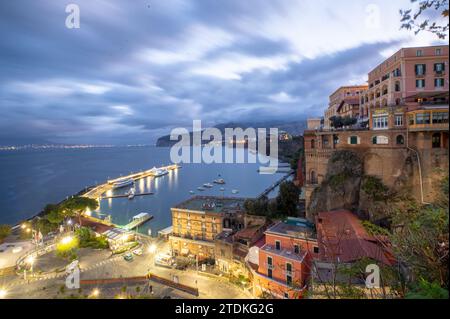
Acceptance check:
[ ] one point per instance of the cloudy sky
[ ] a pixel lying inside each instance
(135, 69)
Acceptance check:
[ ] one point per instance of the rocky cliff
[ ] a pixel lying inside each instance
(346, 186)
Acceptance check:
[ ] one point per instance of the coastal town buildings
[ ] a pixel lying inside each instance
(199, 220)
(342, 241)
(281, 264)
(403, 113)
(342, 103)
(231, 248)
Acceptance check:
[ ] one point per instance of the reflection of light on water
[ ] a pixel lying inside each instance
(156, 183)
(170, 176)
(141, 185)
(173, 177)
(149, 183)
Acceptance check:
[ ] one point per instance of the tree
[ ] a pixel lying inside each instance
(67, 247)
(5, 231)
(349, 121)
(421, 240)
(287, 199)
(87, 238)
(336, 122)
(258, 207)
(428, 10)
(76, 206)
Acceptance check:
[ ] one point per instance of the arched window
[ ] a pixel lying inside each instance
(313, 143)
(400, 140)
(436, 140)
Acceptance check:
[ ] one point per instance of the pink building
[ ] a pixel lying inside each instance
(408, 80)
(342, 102)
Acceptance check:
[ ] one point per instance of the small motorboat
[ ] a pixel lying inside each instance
(200, 189)
(219, 181)
(234, 191)
(191, 192)
(222, 189)
(131, 193)
(208, 185)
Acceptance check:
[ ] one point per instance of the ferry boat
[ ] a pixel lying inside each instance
(131, 193)
(219, 181)
(123, 183)
(142, 217)
(208, 185)
(157, 172)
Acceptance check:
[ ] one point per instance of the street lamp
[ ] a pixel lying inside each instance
(30, 261)
(95, 293)
(66, 240)
(152, 249)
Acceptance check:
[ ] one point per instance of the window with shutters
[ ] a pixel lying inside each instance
(420, 69)
(420, 84)
(439, 67)
(439, 82)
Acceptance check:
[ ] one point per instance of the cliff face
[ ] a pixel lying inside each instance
(340, 188)
(346, 185)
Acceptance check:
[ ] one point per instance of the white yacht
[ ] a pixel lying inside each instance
(131, 193)
(123, 183)
(234, 191)
(208, 185)
(200, 188)
(157, 172)
(219, 181)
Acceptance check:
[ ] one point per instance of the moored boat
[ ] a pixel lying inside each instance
(123, 183)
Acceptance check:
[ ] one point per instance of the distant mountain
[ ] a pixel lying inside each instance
(19, 141)
(294, 128)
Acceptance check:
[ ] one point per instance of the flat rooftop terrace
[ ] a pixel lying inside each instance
(293, 227)
(215, 204)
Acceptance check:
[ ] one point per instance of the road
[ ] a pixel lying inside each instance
(93, 267)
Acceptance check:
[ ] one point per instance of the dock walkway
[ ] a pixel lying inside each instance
(276, 184)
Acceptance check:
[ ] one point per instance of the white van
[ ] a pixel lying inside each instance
(164, 260)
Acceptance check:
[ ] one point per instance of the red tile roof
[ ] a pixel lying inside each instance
(95, 226)
(343, 238)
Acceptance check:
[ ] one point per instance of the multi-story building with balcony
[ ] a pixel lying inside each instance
(405, 109)
(343, 100)
(284, 260)
(407, 80)
(199, 220)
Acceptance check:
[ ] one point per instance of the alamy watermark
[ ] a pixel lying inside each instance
(373, 277)
(73, 19)
(206, 146)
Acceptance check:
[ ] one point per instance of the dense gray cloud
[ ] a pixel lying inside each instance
(136, 69)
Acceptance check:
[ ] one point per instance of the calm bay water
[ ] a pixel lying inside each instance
(33, 178)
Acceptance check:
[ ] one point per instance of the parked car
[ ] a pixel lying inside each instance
(164, 260)
(137, 252)
(128, 257)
